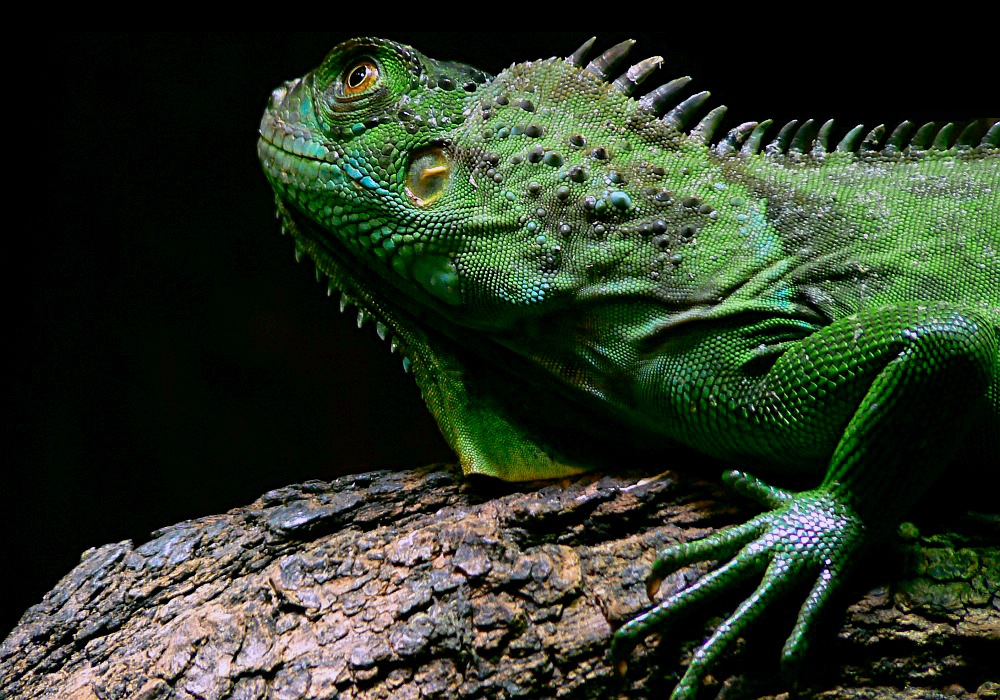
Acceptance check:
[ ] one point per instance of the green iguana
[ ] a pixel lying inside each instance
(569, 270)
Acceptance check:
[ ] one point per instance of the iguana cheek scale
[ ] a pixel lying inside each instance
(570, 271)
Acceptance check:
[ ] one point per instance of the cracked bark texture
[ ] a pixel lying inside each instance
(421, 584)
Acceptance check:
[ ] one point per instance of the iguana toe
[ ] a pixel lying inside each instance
(808, 537)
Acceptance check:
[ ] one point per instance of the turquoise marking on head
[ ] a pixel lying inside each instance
(620, 199)
(352, 171)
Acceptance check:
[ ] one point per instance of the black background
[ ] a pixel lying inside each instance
(178, 363)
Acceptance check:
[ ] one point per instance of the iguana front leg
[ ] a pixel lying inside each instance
(926, 372)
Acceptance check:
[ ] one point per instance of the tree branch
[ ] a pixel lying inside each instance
(423, 584)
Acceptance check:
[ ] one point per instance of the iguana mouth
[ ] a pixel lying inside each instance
(286, 136)
(290, 157)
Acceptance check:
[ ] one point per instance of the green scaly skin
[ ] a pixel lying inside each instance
(573, 273)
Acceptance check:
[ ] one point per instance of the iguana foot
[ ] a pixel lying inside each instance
(809, 536)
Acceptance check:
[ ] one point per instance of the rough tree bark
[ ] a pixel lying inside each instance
(419, 584)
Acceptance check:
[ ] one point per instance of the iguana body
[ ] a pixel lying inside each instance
(569, 269)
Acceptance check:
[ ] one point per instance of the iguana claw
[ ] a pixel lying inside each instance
(807, 535)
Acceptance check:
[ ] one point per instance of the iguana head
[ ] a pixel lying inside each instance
(487, 199)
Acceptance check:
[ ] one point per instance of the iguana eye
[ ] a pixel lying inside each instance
(359, 78)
